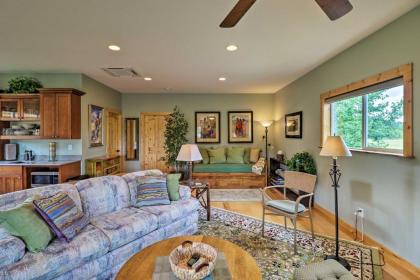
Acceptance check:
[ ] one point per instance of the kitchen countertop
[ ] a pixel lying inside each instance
(37, 162)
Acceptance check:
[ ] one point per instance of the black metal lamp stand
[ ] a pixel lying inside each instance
(266, 154)
(335, 175)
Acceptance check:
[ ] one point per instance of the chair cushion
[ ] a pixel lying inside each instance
(286, 205)
(167, 214)
(24, 222)
(325, 270)
(62, 215)
(60, 257)
(152, 190)
(125, 225)
(103, 195)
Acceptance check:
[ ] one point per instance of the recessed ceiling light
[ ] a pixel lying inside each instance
(114, 48)
(222, 79)
(232, 48)
(147, 78)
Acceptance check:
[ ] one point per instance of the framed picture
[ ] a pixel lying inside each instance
(293, 125)
(240, 127)
(207, 127)
(96, 115)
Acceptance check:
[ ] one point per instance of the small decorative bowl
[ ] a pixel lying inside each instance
(180, 256)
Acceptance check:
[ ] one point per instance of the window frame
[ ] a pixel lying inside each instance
(406, 73)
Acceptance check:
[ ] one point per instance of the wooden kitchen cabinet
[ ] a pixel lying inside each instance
(60, 113)
(19, 107)
(11, 179)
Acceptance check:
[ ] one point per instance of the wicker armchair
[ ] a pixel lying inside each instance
(288, 208)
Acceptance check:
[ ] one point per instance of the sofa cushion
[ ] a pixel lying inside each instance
(60, 257)
(217, 155)
(131, 179)
(103, 195)
(152, 190)
(167, 214)
(10, 200)
(223, 168)
(12, 248)
(24, 222)
(172, 182)
(204, 155)
(235, 155)
(62, 215)
(125, 225)
(247, 152)
(254, 155)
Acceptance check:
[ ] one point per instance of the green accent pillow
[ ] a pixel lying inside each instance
(204, 155)
(217, 155)
(24, 222)
(235, 155)
(172, 182)
(247, 154)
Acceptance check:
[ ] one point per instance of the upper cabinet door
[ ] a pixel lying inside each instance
(30, 109)
(48, 115)
(63, 116)
(9, 109)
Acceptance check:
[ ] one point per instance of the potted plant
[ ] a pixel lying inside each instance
(302, 162)
(23, 84)
(175, 136)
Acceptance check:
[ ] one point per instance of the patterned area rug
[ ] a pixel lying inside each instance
(274, 252)
(235, 195)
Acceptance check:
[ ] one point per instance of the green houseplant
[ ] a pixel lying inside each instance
(23, 84)
(175, 136)
(302, 162)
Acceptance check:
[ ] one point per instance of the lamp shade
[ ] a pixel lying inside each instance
(335, 146)
(189, 152)
(266, 123)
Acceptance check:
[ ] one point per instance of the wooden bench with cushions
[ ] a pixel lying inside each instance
(230, 168)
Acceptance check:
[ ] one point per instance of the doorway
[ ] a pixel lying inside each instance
(113, 132)
(152, 139)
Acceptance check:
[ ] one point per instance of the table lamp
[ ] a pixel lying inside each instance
(189, 153)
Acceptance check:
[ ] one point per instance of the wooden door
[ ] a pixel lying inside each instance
(113, 133)
(63, 116)
(48, 112)
(152, 141)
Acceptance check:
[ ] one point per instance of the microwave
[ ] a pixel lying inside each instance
(43, 178)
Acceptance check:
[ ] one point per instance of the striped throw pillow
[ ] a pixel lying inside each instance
(62, 215)
(152, 190)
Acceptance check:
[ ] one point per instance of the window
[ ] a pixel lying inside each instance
(372, 116)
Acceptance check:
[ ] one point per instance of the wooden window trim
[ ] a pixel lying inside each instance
(406, 72)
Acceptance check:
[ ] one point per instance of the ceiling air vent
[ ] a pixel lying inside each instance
(121, 72)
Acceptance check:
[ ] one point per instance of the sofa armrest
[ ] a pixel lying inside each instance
(12, 249)
(184, 192)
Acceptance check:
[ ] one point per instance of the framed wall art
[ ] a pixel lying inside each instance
(96, 115)
(293, 125)
(207, 127)
(240, 127)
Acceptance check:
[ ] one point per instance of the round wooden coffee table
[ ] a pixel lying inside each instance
(141, 266)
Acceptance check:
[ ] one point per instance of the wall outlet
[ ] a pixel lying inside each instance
(70, 147)
(360, 212)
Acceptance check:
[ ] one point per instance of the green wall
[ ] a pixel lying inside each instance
(387, 187)
(260, 104)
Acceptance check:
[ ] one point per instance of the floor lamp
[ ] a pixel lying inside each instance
(266, 125)
(335, 147)
(189, 153)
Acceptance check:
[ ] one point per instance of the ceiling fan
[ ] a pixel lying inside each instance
(334, 9)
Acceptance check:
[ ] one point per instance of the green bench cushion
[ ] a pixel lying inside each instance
(223, 168)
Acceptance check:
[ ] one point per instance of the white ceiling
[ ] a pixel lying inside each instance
(179, 43)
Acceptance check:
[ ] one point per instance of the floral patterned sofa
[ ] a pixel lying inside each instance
(116, 230)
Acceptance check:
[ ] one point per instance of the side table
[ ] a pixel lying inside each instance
(198, 190)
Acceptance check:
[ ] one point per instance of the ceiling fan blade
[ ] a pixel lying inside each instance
(237, 13)
(335, 9)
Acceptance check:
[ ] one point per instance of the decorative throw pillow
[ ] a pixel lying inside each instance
(172, 183)
(254, 155)
(62, 215)
(152, 190)
(246, 155)
(217, 155)
(235, 155)
(204, 155)
(24, 222)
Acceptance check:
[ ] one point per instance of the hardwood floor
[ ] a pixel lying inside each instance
(395, 267)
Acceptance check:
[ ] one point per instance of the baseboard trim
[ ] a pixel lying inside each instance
(350, 230)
